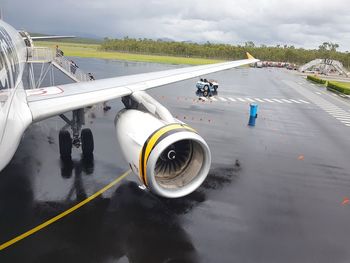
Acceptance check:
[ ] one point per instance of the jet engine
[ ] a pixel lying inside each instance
(170, 158)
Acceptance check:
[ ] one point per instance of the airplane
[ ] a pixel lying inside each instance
(169, 157)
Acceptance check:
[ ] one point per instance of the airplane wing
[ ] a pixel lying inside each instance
(52, 101)
(43, 38)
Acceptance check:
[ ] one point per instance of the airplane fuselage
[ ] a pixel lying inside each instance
(15, 115)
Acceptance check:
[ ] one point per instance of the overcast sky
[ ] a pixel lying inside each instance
(305, 23)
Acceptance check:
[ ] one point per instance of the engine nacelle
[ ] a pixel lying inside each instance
(171, 159)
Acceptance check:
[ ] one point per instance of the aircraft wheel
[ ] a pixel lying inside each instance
(87, 142)
(65, 144)
(215, 88)
(206, 93)
(206, 88)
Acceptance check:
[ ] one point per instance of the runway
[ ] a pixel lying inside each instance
(275, 192)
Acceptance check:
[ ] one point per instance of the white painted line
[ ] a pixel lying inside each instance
(257, 99)
(336, 111)
(240, 99)
(347, 125)
(249, 99)
(345, 115)
(295, 101)
(231, 99)
(301, 83)
(222, 99)
(343, 120)
(303, 101)
(338, 114)
(342, 117)
(346, 122)
(330, 107)
(335, 95)
(213, 99)
(286, 101)
(319, 93)
(277, 100)
(268, 100)
(203, 98)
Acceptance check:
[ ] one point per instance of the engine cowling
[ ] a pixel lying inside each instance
(171, 159)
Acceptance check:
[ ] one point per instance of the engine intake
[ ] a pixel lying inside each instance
(172, 160)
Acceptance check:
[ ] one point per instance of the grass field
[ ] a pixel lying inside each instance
(92, 51)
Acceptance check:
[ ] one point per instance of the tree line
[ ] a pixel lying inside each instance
(283, 53)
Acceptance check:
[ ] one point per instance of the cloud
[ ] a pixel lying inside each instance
(271, 22)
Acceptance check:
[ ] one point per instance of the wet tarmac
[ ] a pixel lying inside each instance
(274, 194)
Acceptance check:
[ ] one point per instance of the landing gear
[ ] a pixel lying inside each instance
(87, 142)
(65, 143)
(81, 137)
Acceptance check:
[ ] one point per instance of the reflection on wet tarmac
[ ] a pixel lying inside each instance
(133, 223)
(217, 178)
(86, 165)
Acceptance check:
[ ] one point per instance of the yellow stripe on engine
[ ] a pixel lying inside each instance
(152, 141)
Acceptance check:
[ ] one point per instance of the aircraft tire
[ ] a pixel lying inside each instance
(65, 144)
(87, 142)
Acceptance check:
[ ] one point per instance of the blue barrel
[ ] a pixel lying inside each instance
(251, 121)
(253, 110)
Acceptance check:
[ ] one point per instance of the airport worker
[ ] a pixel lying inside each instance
(73, 66)
(59, 52)
(91, 77)
(105, 106)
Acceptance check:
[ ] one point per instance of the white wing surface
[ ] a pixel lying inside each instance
(51, 101)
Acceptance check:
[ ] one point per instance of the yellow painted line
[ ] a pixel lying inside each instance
(63, 214)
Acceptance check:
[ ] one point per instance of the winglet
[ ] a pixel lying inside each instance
(249, 56)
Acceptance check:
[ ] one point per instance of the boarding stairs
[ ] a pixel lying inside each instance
(49, 59)
(50, 56)
(340, 68)
(325, 66)
(310, 64)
